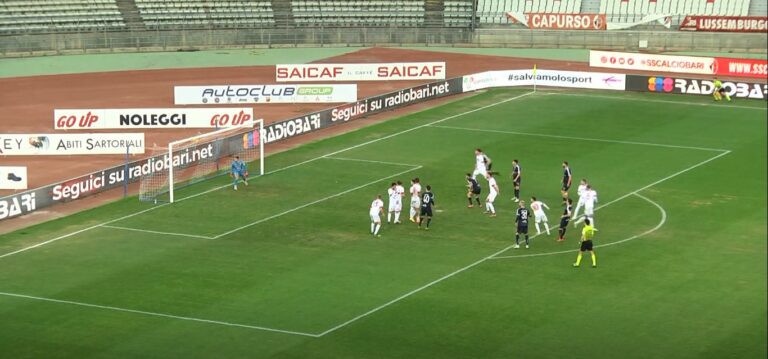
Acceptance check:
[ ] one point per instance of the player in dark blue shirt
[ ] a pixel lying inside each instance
(473, 190)
(522, 224)
(567, 178)
(517, 177)
(565, 218)
(427, 202)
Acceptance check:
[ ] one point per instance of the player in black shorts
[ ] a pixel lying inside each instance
(565, 218)
(427, 202)
(567, 178)
(517, 177)
(473, 190)
(522, 224)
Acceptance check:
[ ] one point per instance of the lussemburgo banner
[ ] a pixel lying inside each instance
(361, 72)
(264, 94)
(131, 118)
(71, 144)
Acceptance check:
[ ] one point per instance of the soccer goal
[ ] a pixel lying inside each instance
(195, 159)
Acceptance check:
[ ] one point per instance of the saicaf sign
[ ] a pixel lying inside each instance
(151, 118)
(361, 72)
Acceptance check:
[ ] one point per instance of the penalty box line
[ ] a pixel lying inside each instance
(498, 253)
(176, 234)
(37, 245)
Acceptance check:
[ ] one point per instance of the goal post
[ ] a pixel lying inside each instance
(204, 156)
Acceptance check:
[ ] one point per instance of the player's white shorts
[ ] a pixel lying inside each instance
(540, 217)
(492, 196)
(479, 171)
(375, 218)
(415, 202)
(589, 210)
(395, 206)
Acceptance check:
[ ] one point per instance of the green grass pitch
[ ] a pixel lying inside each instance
(286, 268)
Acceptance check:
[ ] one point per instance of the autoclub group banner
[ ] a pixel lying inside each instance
(725, 23)
(264, 94)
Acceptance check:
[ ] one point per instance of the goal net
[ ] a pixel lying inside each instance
(195, 159)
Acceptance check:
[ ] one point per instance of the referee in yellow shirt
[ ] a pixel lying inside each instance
(719, 91)
(587, 233)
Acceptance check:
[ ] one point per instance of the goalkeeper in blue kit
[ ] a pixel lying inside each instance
(239, 170)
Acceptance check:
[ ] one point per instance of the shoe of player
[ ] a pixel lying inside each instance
(575, 265)
(470, 206)
(486, 212)
(235, 188)
(526, 246)
(493, 214)
(516, 246)
(426, 228)
(594, 266)
(516, 199)
(246, 184)
(411, 219)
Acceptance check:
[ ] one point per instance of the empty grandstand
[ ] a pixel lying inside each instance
(634, 10)
(492, 11)
(59, 16)
(373, 13)
(201, 13)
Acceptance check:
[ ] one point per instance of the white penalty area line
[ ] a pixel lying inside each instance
(313, 203)
(661, 223)
(267, 173)
(156, 232)
(482, 260)
(153, 314)
(635, 99)
(582, 138)
(371, 161)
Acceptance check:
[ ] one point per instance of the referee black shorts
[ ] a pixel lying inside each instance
(586, 245)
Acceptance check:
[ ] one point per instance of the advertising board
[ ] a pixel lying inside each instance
(70, 144)
(725, 23)
(652, 62)
(264, 94)
(361, 72)
(678, 85)
(135, 118)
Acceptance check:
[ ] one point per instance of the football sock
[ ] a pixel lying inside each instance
(491, 208)
(526, 239)
(594, 259)
(546, 226)
(578, 259)
(421, 220)
(389, 217)
(538, 231)
(561, 232)
(469, 199)
(376, 231)
(517, 193)
(373, 226)
(727, 97)
(517, 239)
(486, 207)
(412, 213)
(478, 200)
(397, 216)
(429, 220)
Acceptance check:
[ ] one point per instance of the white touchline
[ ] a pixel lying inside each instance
(654, 229)
(271, 172)
(312, 203)
(582, 138)
(156, 232)
(474, 264)
(153, 314)
(657, 101)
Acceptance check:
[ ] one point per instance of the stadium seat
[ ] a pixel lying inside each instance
(59, 16)
(492, 11)
(333, 13)
(633, 10)
(165, 14)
